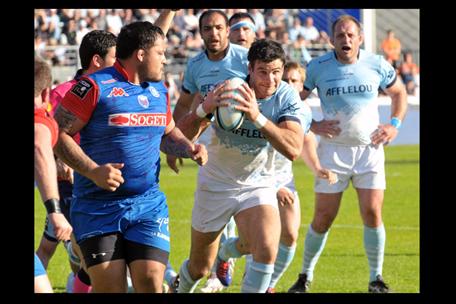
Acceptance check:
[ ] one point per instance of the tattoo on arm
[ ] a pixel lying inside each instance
(175, 143)
(65, 119)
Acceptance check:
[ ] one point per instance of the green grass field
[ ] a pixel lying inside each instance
(342, 267)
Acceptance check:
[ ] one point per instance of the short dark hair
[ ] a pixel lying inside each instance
(241, 15)
(266, 50)
(209, 13)
(137, 35)
(96, 42)
(43, 76)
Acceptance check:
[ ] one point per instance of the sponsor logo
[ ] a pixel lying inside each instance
(94, 255)
(349, 90)
(117, 92)
(154, 92)
(163, 221)
(81, 88)
(137, 120)
(109, 81)
(143, 101)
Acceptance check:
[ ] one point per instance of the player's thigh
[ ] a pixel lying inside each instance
(259, 229)
(326, 209)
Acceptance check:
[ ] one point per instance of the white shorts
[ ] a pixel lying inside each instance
(212, 210)
(364, 165)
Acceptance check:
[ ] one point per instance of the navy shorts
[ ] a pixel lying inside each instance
(142, 219)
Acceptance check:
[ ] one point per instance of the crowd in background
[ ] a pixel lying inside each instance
(55, 29)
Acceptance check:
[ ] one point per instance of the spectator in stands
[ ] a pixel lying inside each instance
(296, 29)
(113, 22)
(409, 71)
(259, 22)
(310, 32)
(298, 51)
(391, 47)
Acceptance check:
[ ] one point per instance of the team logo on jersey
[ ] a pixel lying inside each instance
(143, 101)
(81, 88)
(137, 120)
(117, 92)
(154, 92)
(112, 80)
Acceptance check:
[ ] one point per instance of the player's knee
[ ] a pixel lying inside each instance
(372, 217)
(289, 236)
(265, 253)
(199, 270)
(150, 282)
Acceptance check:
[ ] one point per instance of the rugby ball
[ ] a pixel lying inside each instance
(228, 118)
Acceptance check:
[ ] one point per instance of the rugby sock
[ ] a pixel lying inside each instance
(231, 228)
(283, 260)
(170, 274)
(82, 282)
(374, 244)
(186, 283)
(229, 250)
(313, 246)
(257, 278)
(248, 262)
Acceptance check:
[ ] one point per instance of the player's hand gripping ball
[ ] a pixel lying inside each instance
(228, 118)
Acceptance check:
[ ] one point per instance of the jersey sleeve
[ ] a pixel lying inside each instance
(49, 122)
(294, 109)
(309, 83)
(189, 85)
(82, 98)
(387, 74)
(55, 98)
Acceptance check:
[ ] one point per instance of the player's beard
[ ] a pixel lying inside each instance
(146, 75)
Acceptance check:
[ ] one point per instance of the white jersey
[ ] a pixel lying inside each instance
(243, 157)
(348, 93)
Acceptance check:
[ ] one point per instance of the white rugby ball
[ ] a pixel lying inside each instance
(228, 118)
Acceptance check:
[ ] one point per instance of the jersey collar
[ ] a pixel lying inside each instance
(121, 69)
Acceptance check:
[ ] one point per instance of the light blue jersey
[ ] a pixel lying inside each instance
(283, 166)
(202, 74)
(348, 93)
(243, 157)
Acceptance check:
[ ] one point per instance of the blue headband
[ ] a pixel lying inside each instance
(243, 23)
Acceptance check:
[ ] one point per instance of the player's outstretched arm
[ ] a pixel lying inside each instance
(164, 20)
(310, 157)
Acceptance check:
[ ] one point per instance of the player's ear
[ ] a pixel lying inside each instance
(140, 54)
(97, 61)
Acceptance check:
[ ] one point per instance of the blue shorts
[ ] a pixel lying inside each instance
(39, 268)
(65, 193)
(142, 219)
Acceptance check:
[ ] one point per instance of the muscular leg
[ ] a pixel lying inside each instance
(203, 251)
(109, 277)
(326, 208)
(290, 220)
(259, 231)
(371, 202)
(147, 275)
